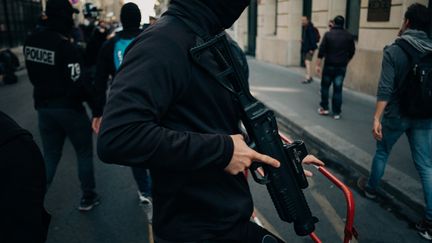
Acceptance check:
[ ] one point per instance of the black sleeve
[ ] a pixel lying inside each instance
(22, 172)
(323, 47)
(312, 36)
(104, 68)
(71, 62)
(72, 65)
(145, 88)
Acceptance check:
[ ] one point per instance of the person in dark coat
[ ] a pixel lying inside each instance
(337, 48)
(308, 46)
(110, 55)
(22, 177)
(166, 113)
(54, 69)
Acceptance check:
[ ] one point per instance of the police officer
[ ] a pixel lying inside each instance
(54, 69)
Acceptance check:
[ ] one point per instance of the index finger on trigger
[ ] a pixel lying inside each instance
(266, 160)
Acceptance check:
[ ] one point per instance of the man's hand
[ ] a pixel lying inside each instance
(311, 160)
(318, 67)
(318, 70)
(243, 156)
(377, 129)
(96, 122)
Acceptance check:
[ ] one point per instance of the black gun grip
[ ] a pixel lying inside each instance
(257, 176)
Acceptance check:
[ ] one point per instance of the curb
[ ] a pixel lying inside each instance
(329, 146)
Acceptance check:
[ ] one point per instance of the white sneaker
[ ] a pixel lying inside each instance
(336, 117)
(323, 112)
(257, 221)
(143, 199)
(424, 228)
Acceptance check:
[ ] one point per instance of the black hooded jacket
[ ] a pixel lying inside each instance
(166, 113)
(54, 66)
(337, 47)
(22, 176)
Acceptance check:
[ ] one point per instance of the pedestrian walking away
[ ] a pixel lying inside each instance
(310, 38)
(404, 105)
(337, 49)
(109, 61)
(54, 69)
(168, 114)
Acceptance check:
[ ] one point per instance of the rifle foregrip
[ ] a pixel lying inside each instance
(284, 183)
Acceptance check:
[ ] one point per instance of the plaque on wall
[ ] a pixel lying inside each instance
(379, 10)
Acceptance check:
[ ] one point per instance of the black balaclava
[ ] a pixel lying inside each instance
(130, 16)
(60, 15)
(227, 11)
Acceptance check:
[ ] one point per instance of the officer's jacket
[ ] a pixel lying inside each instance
(54, 68)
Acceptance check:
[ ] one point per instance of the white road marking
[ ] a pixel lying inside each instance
(267, 224)
(275, 89)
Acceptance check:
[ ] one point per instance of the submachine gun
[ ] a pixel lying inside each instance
(217, 56)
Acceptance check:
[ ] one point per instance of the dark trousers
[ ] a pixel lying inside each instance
(143, 180)
(57, 124)
(246, 233)
(332, 75)
(22, 179)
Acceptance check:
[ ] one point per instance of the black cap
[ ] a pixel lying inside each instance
(60, 8)
(339, 21)
(130, 16)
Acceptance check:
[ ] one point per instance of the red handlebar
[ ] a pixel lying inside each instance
(350, 231)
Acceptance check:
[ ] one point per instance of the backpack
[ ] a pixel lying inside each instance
(120, 46)
(317, 34)
(415, 91)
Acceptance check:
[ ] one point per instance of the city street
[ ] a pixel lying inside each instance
(120, 219)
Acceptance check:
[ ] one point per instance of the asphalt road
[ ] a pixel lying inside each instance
(119, 218)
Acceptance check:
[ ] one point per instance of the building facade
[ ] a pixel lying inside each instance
(17, 18)
(271, 30)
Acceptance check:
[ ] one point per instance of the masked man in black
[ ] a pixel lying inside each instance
(166, 113)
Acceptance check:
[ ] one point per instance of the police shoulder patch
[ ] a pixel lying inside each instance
(39, 55)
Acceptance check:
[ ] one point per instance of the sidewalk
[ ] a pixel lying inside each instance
(347, 142)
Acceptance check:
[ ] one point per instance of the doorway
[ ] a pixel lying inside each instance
(252, 27)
